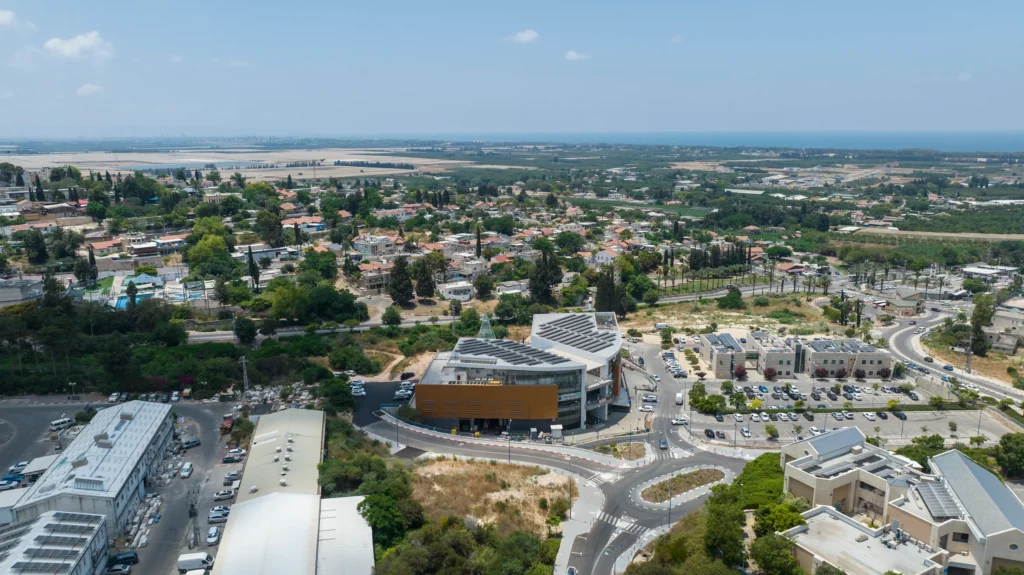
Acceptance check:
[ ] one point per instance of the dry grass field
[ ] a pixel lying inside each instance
(508, 496)
(957, 236)
(669, 488)
(790, 312)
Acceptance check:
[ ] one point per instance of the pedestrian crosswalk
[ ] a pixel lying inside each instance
(600, 479)
(674, 454)
(624, 523)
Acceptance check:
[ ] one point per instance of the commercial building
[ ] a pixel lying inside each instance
(722, 353)
(773, 353)
(278, 523)
(959, 516)
(55, 542)
(906, 302)
(1006, 331)
(569, 374)
(845, 357)
(104, 469)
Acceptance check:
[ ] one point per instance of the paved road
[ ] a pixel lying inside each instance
(202, 337)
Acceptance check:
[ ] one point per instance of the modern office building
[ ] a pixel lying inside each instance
(104, 469)
(959, 518)
(55, 542)
(722, 353)
(839, 357)
(570, 372)
(279, 523)
(773, 353)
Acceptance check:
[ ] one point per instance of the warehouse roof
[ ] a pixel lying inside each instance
(100, 459)
(295, 437)
(346, 539)
(273, 534)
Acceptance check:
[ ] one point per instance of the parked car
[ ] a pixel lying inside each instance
(186, 470)
(719, 417)
(745, 432)
(213, 536)
(220, 509)
(848, 414)
(808, 416)
(815, 431)
(900, 415)
(882, 415)
(232, 477)
(18, 467)
(113, 397)
(833, 396)
(869, 416)
(175, 396)
(358, 392)
(123, 396)
(407, 375)
(773, 417)
(402, 395)
(8, 485)
(710, 434)
(913, 396)
(219, 518)
(755, 417)
(224, 495)
(231, 459)
(129, 558)
(837, 416)
(118, 569)
(737, 416)
(720, 434)
(190, 443)
(154, 397)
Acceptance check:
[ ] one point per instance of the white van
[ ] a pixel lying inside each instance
(59, 424)
(679, 399)
(190, 561)
(661, 326)
(186, 470)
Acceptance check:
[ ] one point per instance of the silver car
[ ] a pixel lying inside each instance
(213, 536)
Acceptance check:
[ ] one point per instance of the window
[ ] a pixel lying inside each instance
(871, 373)
(787, 372)
(780, 362)
(961, 537)
(788, 362)
(1013, 547)
(863, 361)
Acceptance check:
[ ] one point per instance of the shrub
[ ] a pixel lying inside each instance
(543, 503)
(762, 301)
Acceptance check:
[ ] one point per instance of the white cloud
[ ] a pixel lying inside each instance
(10, 20)
(963, 77)
(676, 39)
(574, 56)
(525, 36)
(86, 90)
(177, 59)
(88, 45)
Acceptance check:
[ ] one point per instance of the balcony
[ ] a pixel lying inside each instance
(595, 383)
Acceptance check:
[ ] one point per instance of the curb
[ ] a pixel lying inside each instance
(684, 497)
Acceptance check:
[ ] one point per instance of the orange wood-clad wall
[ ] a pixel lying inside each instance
(488, 401)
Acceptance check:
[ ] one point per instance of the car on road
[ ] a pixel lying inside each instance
(737, 416)
(662, 444)
(231, 459)
(190, 443)
(710, 434)
(936, 309)
(947, 367)
(232, 477)
(223, 495)
(656, 378)
(651, 398)
(647, 408)
(113, 397)
(213, 536)
(869, 416)
(679, 421)
(186, 470)
(882, 415)
(913, 322)
(129, 558)
(571, 571)
(929, 358)
(238, 452)
(402, 395)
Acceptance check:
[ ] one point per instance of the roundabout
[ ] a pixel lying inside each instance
(695, 482)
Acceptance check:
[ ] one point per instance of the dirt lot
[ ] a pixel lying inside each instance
(507, 495)
(959, 236)
(801, 313)
(993, 365)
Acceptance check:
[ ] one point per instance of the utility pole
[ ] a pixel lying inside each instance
(970, 350)
(245, 376)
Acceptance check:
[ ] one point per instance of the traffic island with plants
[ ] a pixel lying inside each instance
(628, 451)
(664, 490)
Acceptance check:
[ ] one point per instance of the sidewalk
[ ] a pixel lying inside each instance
(584, 510)
(626, 557)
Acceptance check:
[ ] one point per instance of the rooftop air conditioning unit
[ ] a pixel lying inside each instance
(277, 457)
(80, 462)
(289, 448)
(100, 436)
(277, 449)
(103, 444)
(253, 489)
(127, 415)
(284, 467)
(287, 458)
(284, 482)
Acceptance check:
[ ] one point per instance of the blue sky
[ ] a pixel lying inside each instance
(92, 68)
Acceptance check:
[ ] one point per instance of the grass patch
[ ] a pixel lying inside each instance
(665, 490)
(511, 497)
(785, 316)
(628, 451)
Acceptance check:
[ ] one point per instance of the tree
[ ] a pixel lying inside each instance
(546, 274)
(392, 317)
(254, 272)
(937, 402)
(826, 569)
(82, 271)
(479, 237)
(740, 372)
(841, 373)
(131, 292)
(770, 519)
(770, 373)
(773, 553)
(245, 330)
(732, 300)
(820, 373)
(424, 280)
(724, 536)
(981, 317)
(484, 286)
(1010, 454)
(400, 289)
(268, 327)
(771, 431)
(265, 262)
(738, 400)
(885, 373)
(237, 178)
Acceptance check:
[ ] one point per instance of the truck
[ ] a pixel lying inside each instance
(226, 424)
(679, 398)
(190, 561)
(187, 393)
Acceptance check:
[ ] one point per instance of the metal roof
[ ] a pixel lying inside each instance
(292, 439)
(54, 542)
(991, 504)
(938, 500)
(843, 438)
(345, 539)
(509, 352)
(99, 460)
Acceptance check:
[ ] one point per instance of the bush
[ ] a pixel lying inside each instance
(762, 301)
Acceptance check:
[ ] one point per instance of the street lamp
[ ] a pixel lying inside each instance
(72, 385)
(510, 442)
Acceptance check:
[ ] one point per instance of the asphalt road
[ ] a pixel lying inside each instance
(202, 337)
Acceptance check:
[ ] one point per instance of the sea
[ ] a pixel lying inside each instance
(1008, 141)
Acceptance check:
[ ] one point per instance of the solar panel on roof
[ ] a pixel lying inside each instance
(938, 501)
(58, 540)
(48, 553)
(79, 517)
(65, 528)
(40, 567)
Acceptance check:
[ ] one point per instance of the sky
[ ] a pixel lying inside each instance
(117, 68)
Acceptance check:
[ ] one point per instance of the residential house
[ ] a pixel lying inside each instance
(374, 246)
(460, 290)
(512, 287)
(306, 223)
(375, 275)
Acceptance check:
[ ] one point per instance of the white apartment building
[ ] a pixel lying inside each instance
(461, 291)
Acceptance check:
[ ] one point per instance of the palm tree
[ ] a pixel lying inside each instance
(826, 280)
(809, 284)
(941, 281)
(927, 283)
(917, 277)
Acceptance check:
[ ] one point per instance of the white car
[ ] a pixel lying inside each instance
(175, 396)
(764, 416)
(220, 509)
(18, 467)
(113, 397)
(869, 416)
(755, 417)
(657, 378)
(737, 416)
(647, 408)
(359, 392)
(745, 432)
(222, 495)
(857, 396)
(783, 416)
(848, 414)
(815, 431)
(186, 470)
(213, 536)
(5, 485)
(679, 421)
(651, 398)
(237, 452)
(402, 394)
